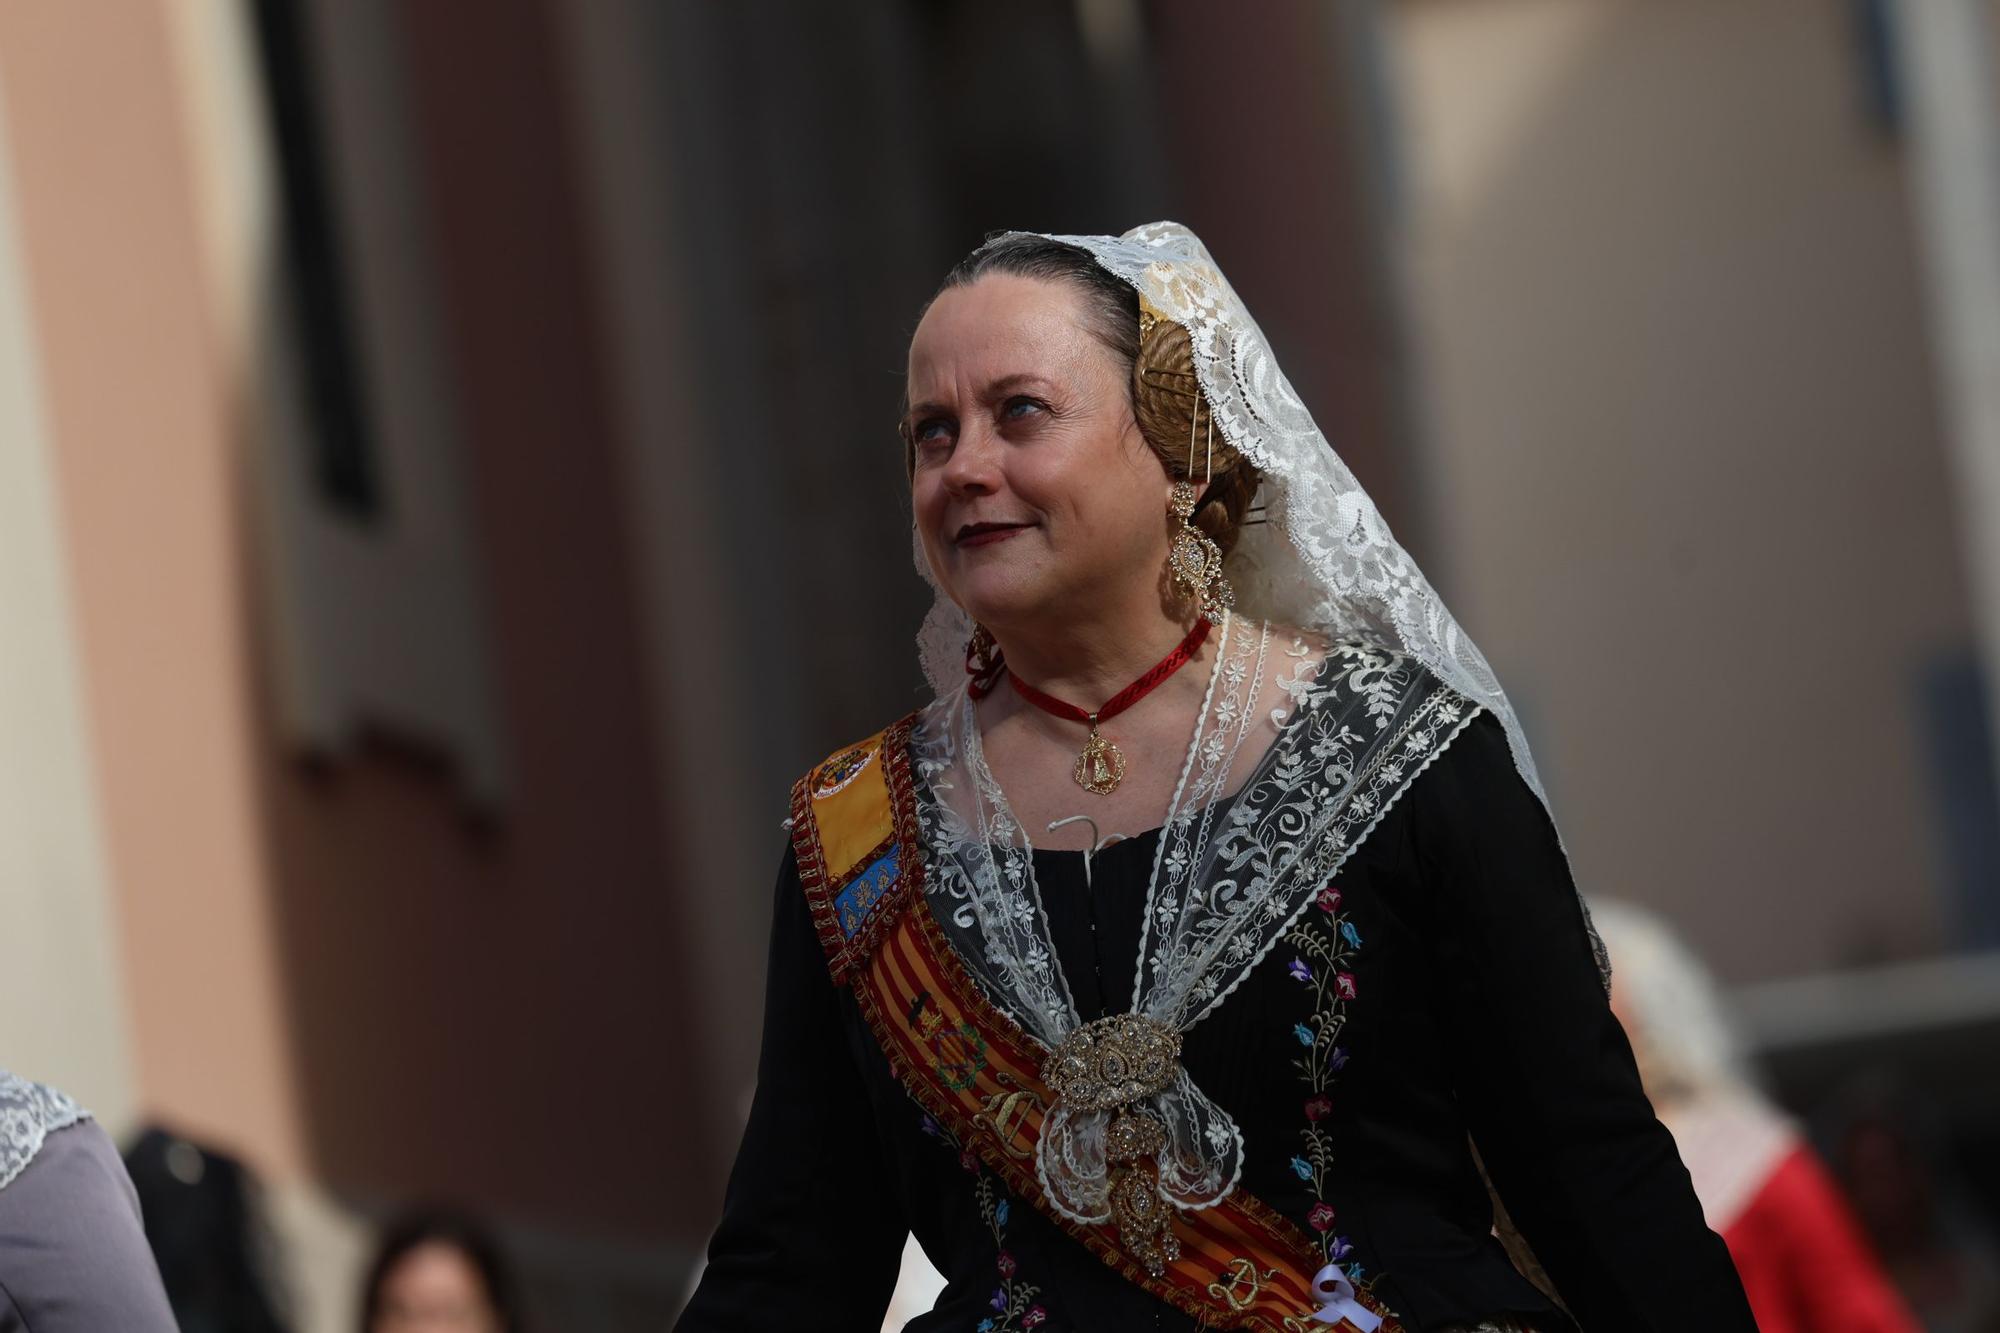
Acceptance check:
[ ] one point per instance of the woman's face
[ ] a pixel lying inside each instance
(1035, 496)
(434, 1289)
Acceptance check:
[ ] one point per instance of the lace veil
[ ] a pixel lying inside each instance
(1323, 559)
(1375, 684)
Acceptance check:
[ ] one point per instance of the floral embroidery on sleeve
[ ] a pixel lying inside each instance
(1013, 1300)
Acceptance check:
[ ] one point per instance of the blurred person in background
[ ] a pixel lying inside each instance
(1933, 1238)
(437, 1271)
(1805, 1264)
(73, 1256)
(1163, 972)
(206, 1222)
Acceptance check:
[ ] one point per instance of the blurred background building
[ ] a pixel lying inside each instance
(448, 490)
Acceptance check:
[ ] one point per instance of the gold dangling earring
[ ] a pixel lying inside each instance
(1194, 559)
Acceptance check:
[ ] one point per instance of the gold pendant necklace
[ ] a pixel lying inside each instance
(1101, 766)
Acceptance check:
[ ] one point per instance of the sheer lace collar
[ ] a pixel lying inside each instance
(1230, 873)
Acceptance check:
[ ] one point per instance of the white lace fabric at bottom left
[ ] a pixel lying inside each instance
(29, 1113)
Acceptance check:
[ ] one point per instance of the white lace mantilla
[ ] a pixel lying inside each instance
(1231, 873)
(1323, 558)
(29, 1113)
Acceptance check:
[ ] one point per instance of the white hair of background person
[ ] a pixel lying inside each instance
(1690, 1045)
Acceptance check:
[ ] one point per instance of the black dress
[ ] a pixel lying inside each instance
(1453, 957)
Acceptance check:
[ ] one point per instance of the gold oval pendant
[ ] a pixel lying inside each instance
(1101, 766)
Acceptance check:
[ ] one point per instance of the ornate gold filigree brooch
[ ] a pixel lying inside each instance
(1108, 1065)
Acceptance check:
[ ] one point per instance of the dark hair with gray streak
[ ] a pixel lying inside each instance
(1111, 305)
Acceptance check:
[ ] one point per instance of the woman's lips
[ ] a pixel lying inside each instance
(986, 536)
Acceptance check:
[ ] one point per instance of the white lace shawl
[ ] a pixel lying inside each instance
(1225, 886)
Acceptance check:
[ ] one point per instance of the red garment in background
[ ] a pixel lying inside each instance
(1804, 1262)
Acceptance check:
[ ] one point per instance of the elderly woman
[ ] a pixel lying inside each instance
(1202, 952)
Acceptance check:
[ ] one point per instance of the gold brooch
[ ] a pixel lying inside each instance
(1113, 1061)
(1107, 1065)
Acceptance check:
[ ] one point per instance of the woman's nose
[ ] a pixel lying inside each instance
(973, 467)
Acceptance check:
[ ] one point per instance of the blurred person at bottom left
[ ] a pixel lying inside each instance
(439, 1272)
(207, 1219)
(73, 1256)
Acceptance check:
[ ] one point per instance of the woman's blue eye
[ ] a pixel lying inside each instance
(928, 432)
(1015, 406)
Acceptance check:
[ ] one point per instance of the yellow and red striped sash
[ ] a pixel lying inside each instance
(1242, 1265)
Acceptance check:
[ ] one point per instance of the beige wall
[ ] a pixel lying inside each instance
(63, 1018)
(1685, 452)
(137, 408)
